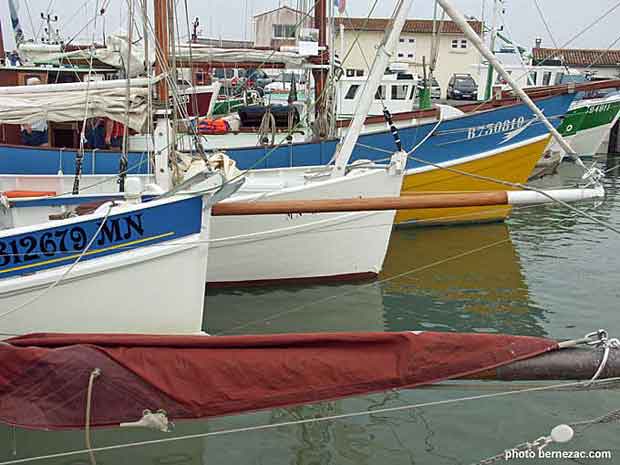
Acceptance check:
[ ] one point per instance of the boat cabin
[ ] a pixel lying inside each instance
(397, 92)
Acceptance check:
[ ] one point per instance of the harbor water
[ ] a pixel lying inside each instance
(547, 271)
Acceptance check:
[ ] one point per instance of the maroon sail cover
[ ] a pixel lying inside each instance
(44, 377)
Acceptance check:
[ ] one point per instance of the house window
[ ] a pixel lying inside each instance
(284, 31)
(399, 92)
(351, 72)
(352, 92)
(380, 94)
(459, 44)
(406, 47)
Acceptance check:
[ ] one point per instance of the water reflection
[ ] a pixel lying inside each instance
(482, 289)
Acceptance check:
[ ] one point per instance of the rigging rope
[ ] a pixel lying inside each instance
(303, 421)
(64, 274)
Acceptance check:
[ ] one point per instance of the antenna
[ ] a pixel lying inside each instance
(52, 36)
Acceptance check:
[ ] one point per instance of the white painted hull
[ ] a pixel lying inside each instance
(251, 249)
(156, 289)
(281, 247)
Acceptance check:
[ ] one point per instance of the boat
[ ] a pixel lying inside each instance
(295, 247)
(243, 248)
(588, 123)
(126, 267)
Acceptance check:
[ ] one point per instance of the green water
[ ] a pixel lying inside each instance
(546, 272)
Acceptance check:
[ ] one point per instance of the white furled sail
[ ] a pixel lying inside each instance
(74, 102)
(114, 54)
(240, 55)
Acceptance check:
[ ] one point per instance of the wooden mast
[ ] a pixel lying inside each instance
(320, 75)
(162, 41)
(2, 50)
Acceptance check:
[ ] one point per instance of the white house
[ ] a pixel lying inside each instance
(455, 53)
(275, 28)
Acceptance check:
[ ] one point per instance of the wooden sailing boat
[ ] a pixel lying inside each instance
(509, 153)
(87, 273)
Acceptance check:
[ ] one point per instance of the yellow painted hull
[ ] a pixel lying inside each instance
(515, 165)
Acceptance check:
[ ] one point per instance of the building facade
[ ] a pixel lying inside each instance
(279, 27)
(356, 40)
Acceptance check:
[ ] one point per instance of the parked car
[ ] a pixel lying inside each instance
(435, 87)
(462, 86)
(282, 83)
(230, 78)
(258, 79)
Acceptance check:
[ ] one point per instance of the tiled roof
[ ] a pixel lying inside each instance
(284, 7)
(577, 57)
(411, 25)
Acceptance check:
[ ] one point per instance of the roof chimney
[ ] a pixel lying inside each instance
(538, 42)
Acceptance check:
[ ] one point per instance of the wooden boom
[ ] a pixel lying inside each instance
(406, 202)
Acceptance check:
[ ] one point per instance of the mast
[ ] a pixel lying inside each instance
(161, 37)
(2, 50)
(320, 23)
(384, 53)
(459, 19)
(489, 84)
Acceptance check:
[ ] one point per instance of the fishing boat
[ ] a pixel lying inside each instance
(588, 123)
(126, 267)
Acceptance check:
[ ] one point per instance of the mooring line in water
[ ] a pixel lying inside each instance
(357, 289)
(310, 420)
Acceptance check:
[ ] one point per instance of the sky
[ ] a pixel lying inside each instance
(232, 19)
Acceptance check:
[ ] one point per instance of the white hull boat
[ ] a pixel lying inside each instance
(137, 268)
(300, 247)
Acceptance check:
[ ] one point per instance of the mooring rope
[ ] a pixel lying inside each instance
(303, 421)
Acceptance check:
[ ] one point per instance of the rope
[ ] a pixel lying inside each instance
(375, 283)
(267, 127)
(124, 157)
(89, 396)
(575, 37)
(64, 274)
(302, 421)
(79, 156)
(544, 20)
(519, 186)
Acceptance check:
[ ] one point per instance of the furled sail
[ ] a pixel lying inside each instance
(240, 55)
(75, 101)
(44, 378)
(114, 54)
